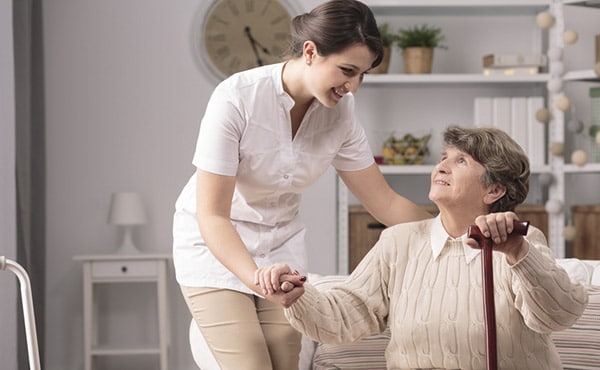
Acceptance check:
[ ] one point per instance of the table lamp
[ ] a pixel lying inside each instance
(126, 210)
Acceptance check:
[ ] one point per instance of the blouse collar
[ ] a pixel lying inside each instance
(439, 237)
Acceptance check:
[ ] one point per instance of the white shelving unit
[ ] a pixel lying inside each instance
(555, 131)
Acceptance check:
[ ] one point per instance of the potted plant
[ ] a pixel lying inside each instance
(389, 37)
(417, 44)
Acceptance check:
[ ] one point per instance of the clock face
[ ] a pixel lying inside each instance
(241, 34)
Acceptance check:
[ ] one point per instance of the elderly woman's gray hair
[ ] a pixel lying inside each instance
(503, 159)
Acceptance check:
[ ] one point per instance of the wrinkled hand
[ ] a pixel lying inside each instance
(499, 228)
(279, 283)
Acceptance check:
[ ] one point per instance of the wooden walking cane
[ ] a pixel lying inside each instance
(489, 308)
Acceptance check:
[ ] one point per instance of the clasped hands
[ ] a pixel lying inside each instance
(279, 284)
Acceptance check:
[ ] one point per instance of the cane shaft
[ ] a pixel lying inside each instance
(487, 273)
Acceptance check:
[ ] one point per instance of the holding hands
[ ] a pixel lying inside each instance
(279, 284)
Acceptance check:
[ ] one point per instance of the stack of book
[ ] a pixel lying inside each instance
(516, 116)
(513, 64)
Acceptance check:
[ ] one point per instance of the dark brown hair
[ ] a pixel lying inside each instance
(336, 25)
(503, 159)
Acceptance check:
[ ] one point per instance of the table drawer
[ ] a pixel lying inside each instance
(108, 269)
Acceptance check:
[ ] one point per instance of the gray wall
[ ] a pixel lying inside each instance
(8, 281)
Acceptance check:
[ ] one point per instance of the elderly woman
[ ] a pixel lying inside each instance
(423, 279)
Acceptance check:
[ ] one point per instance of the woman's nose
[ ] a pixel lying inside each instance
(441, 166)
(353, 84)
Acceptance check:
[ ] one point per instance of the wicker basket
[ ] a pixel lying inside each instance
(417, 60)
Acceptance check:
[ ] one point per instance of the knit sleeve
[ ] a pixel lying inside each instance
(344, 313)
(548, 299)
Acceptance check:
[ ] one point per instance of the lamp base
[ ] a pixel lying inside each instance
(127, 246)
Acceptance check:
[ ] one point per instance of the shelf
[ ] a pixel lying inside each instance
(428, 168)
(457, 7)
(588, 3)
(455, 78)
(108, 351)
(587, 168)
(458, 3)
(582, 75)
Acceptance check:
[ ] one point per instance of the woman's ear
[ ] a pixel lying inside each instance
(495, 192)
(309, 51)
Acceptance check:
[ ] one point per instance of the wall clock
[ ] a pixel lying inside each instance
(229, 36)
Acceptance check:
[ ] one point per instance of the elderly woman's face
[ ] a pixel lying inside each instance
(456, 180)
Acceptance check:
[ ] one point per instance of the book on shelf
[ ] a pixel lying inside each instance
(501, 113)
(519, 121)
(514, 60)
(536, 138)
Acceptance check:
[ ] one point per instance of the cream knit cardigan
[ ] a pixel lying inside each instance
(434, 308)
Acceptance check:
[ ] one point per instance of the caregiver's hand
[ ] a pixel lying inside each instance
(273, 278)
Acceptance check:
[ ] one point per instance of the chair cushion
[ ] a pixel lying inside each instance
(579, 345)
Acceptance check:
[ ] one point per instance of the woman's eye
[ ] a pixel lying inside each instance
(347, 71)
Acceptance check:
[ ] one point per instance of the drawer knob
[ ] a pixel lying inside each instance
(124, 269)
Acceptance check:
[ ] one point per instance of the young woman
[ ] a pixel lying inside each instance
(423, 279)
(267, 134)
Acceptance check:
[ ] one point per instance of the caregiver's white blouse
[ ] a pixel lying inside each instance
(246, 132)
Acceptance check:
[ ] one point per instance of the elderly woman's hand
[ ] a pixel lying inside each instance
(499, 228)
(273, 278)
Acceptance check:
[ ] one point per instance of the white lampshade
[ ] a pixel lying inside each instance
(126, 209)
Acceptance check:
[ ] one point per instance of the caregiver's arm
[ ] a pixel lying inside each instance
(213, 206)
(374, 193)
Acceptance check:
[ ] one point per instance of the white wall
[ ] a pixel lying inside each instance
(123, 101)
(8, 281)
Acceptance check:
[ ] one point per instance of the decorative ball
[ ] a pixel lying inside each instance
(569, 233)
(542, 115)
(544, 20)
(570, 37)
(562, 103)
(557, 68)
(553, 206)
(554, 85)
(557, 149)
(546, 179)
(597, 69)
(554, 54)
(575, 126)
(579, 157)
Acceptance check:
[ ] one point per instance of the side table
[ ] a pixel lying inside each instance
(115, 269)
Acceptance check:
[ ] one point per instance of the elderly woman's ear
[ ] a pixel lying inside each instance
(495, 192)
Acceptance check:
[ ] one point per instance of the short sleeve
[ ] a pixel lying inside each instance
(217, 147)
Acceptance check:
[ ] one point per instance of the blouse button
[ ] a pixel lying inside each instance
(286, 176)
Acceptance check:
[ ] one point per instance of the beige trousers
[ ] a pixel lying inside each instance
(242, 330)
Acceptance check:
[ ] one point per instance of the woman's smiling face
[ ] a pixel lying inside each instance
(335, 75)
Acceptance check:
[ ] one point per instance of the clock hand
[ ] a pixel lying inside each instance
(254, 43)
